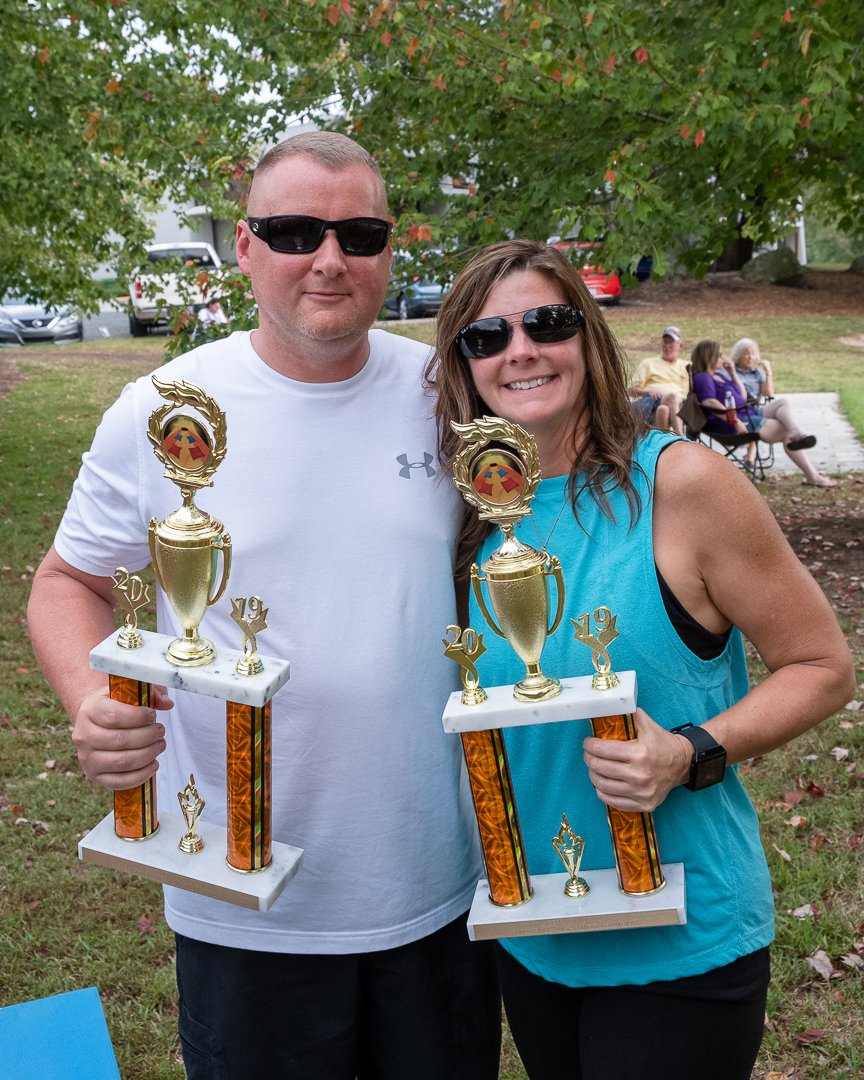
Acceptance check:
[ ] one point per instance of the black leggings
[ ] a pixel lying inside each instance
(707, 1027)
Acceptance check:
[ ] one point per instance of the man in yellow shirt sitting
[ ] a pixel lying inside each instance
(660, 384)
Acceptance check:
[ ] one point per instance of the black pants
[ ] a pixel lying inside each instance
(429, 1010)
(707, 1027)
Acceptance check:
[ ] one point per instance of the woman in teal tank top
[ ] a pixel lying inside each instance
(674, 540)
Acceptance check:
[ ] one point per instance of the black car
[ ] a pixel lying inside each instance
(39, 322)
(416, 300)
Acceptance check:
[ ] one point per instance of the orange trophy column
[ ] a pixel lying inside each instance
(634, 840)
(491, 785)
(248, 755)
(135, 816)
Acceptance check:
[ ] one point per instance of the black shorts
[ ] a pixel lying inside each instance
(429, 1010)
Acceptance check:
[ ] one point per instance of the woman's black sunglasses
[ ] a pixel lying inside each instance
(296, 234)
(546, 325)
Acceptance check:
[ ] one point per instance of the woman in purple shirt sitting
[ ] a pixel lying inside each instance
(724, 399)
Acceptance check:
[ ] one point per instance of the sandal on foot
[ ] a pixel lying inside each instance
(822, 482)
(802, 442)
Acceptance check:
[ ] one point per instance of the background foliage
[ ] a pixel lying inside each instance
(663, 128)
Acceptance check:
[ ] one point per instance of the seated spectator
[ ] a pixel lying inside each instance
(723, 396)
(754, 372)
(212, 314)
(660, 384)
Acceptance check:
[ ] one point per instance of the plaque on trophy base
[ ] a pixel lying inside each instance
(603, 907)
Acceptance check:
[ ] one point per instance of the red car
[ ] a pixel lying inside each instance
(603, 286)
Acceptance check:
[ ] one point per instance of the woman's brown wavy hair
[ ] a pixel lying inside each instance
(605, 427)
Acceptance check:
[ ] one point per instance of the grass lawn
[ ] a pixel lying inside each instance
(64, 925)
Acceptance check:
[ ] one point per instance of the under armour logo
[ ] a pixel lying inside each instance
(407, 465)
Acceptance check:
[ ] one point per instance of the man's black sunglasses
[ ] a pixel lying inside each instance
(546, 325)
(296, 234)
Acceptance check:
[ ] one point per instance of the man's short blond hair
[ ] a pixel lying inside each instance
(328, 148)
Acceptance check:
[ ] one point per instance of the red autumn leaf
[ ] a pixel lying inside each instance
(610, 176)
(145, 923)
(685, 131)
(555, 76)
(641, 55)
(413, 46)
(792, 798)
(804, 122)
(765, 63)
(814, 791)
(332, 14)
(610, 64)
(811, 1036)
(439, 83)
(113, 87)
(787, 16)
(699, 137)
(43, 54)
(386, 38)
(16, 809)
(589, 18)
(346, 7)
(22, 670)
(805, 101)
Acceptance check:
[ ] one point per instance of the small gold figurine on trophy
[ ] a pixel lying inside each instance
(192, 806)
(251, 624)
(604, 678)
(185, 545)
(570, 847)
(134, 594)
(465, 647)
(500, 483)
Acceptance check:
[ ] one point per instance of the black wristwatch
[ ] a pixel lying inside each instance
(708, 764)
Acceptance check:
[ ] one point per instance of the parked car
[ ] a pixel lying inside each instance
(9, 334)
(418, 299)
(42, 322)
(604, 286)
(154, 290)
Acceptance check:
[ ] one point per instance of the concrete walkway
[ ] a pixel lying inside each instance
(838, 448)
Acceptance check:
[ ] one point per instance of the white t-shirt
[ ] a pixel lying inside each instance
(342, 521)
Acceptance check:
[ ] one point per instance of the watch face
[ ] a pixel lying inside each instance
(709, 771)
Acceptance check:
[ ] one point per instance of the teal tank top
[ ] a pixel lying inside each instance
(714, 832)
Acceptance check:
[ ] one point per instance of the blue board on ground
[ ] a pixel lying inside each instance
(57, 1038)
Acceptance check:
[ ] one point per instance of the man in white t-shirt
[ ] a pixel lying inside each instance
(660, 384)
(340, 518)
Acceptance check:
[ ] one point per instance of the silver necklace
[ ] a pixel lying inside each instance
(544, 546)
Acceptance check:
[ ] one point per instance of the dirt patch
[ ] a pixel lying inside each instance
(827, 292)
(10, 373)
(826, 530)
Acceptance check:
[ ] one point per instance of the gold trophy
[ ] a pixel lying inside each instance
(185, 546)
(465, 647)
(191, 806)
(500, 482)
(570, 848)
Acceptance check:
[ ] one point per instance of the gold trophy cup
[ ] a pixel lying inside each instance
(500, 482)
(185, 546)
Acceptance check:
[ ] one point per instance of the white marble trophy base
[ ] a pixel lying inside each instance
(578, 700)
(549, 911)
(217, 679)
(160, 859)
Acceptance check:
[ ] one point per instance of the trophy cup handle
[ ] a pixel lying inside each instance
(477, 587)
(222, 543)
(558, 574)
(154, 553)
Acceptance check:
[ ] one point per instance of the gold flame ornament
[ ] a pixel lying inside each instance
(134, 594)
(185, 546)
(604, 678)
(465, 647)
(191, 806)
(251, 622)
(497, 471)
(570, 849)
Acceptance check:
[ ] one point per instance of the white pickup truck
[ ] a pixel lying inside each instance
(152, 293)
